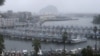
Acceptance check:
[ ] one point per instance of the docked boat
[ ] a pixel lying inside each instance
(78, 40)
(61, 50)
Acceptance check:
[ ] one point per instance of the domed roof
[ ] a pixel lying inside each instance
(49, 10)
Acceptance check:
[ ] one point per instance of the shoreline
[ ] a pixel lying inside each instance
(60, 19)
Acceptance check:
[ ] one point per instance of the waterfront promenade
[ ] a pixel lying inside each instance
(56, 52)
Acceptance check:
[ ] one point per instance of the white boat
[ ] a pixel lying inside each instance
(40, 52)
(25, 51)
(74, 51)
(78, 40)
(61, 50)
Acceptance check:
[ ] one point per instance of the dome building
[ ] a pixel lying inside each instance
(49, 10)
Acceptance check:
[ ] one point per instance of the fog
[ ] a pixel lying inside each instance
(65, 6)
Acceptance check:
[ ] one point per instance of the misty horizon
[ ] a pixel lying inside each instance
(63, 6)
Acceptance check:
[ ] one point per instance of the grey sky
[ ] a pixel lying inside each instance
(66, 6)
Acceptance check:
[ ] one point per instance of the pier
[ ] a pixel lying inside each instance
(48, 33)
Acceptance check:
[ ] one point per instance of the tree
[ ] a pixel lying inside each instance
(96, 19)
(64, 38)
(36, 44)
(1, 44)
(2, 2)
(87, 51)
(1, 36)
(84, 52)
(95, 31)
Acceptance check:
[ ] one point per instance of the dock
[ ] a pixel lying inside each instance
(48, 33)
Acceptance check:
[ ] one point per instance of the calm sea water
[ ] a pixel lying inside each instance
(23, 45)
(85, 21)
(20, 45)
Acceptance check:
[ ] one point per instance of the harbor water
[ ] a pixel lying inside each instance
(27, 45)
(23, 45)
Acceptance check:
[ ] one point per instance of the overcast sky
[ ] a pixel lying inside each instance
(66, 6)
